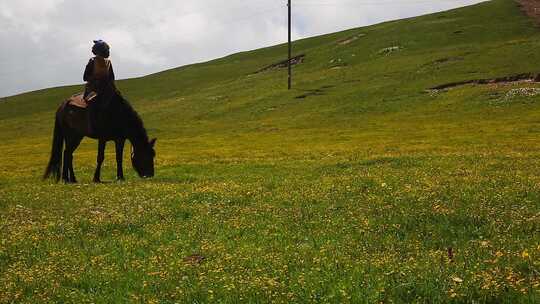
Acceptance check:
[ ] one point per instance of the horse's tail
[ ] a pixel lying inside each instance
(55, 163)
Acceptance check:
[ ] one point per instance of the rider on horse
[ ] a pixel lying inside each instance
(100, 87)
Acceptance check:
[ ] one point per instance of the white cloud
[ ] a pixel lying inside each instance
(47, 42)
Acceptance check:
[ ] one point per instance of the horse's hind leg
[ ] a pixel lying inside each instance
(67, 170)
(68, 175)
(65, 167)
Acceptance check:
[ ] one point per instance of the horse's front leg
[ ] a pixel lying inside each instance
(100, 159)
(119, 158)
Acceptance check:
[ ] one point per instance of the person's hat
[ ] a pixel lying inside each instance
(101, 48)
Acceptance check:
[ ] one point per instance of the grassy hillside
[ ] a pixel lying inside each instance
(360, 185)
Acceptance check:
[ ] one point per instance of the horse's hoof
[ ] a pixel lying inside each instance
(97, 181)
(120, 179)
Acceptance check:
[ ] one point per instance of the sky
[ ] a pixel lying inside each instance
(47, 43)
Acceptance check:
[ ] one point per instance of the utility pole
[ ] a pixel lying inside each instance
(290, 47)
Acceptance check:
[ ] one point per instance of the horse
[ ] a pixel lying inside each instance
(117, 122)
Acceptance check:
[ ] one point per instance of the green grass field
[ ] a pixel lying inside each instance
(357, 186)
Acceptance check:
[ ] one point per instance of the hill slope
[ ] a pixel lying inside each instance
(361, 184)
(363, 91)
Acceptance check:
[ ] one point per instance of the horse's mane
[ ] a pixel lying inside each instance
(133, 119)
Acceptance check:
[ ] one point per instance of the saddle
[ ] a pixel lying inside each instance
(79, 101)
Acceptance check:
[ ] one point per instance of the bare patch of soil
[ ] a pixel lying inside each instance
(531, 8)
(389, 50)
(283, 64)
(350, 39)
(194, 259)
(527, 77)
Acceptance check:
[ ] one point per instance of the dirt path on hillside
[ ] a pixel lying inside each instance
(531, 8)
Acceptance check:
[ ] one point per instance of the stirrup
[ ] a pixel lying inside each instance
(91, 96)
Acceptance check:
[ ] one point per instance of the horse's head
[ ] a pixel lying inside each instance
(142, 159)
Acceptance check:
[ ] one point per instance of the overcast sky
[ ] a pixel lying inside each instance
(46, 43)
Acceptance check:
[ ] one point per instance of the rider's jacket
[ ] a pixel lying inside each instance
(99, 76)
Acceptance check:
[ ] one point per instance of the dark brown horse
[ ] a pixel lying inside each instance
(117, 122)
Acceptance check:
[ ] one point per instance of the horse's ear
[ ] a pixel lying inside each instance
(153, 142)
